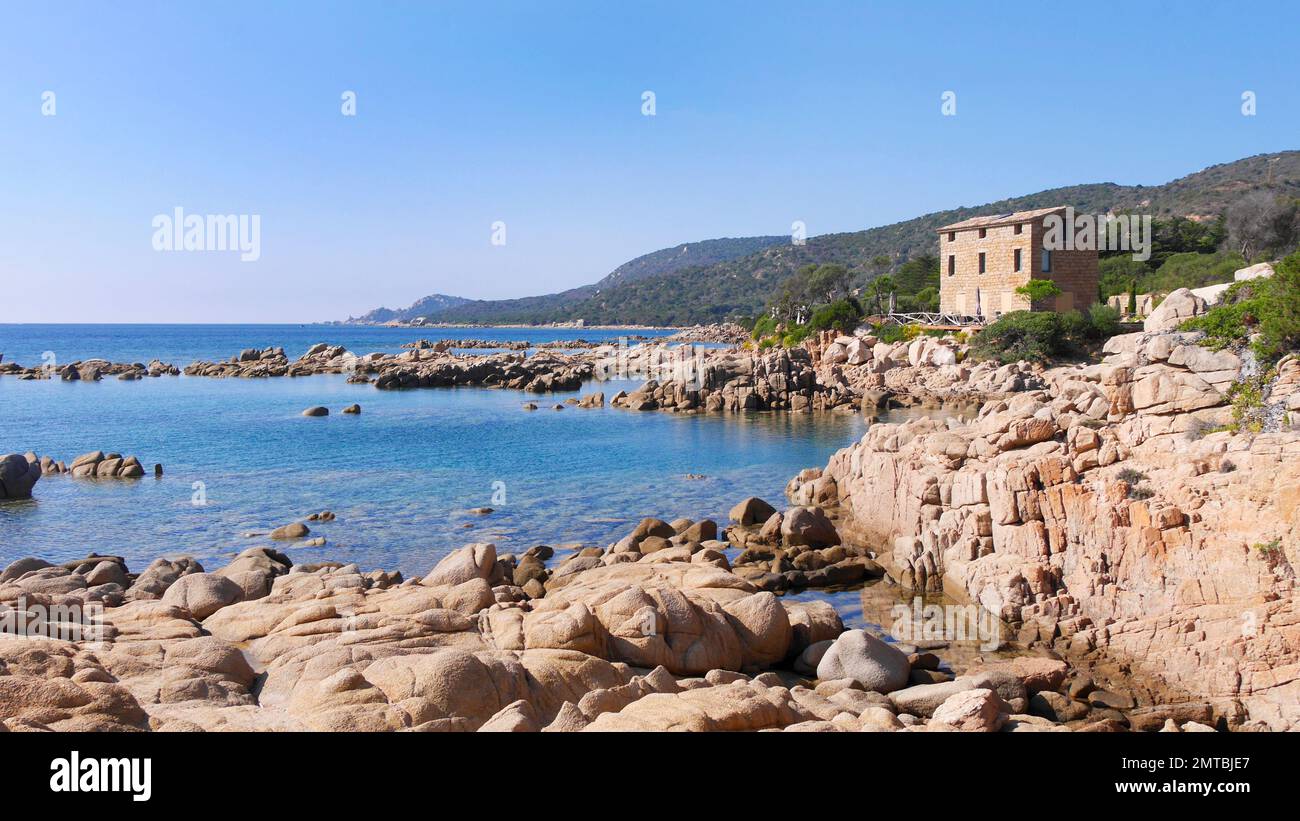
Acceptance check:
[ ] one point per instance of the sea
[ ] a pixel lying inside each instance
(401, 478)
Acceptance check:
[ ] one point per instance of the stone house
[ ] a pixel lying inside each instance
(984, 259)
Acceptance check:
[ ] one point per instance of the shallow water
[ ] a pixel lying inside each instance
(239, 457)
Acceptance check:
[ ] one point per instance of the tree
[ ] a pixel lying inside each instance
(881, 288)
(1133, 298)
(1260, 222)
(828, 281)
(917, 274)
(1039, 290)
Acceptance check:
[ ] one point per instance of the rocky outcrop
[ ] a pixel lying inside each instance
(637, 636)
(18, 475)
(91, 370)
(727, 333)
(100, 465)
(1110, 516)
(1180, 306)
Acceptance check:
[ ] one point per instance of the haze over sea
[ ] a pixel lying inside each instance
(401, 477)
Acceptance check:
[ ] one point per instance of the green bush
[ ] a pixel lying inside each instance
(764, 326)
(889, 334)
(1036, 336)
(1041, 336)
(1269, 307)
(795, 335)
(1104, 319)
(842, 315)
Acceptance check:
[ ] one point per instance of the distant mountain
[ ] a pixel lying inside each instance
(553, 307)
(717, 279)
(427, 307)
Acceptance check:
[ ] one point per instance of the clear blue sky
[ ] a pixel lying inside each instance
(530, 113)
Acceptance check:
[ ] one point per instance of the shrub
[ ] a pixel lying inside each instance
(1104, 319)
(841, 315)
(1036, 337)
(796, 335)
(1269, 549)
(1131, 476)
(889, 334)
(764, 326)
(1248, 409)
(1269, 307)
(1141, 493)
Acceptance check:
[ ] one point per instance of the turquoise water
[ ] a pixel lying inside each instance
(401, 476)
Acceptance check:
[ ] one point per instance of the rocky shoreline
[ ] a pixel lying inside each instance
(1131, 524)
(652, 633)
(829, 373)
(1114, 515)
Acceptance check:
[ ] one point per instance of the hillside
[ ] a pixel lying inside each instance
(704, 282)
(550, 307)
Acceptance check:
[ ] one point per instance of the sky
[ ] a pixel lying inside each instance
(531, 115)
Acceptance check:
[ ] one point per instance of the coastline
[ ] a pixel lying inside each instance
(941, 533)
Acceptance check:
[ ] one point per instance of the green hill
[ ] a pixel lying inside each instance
(713, 280)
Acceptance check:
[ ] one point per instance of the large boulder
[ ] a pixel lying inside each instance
(874, 664)
(203, 594)
(1177, 308)
(751, 511)
(255, 570)
(835, 354)
(923, 699)
(977, 710)
(808, 526)
(18, 475)
(1262, 269)
(293, 530)
(473, 561)
(160, 575)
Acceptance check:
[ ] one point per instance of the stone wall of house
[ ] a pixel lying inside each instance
(1075, 272)
(992, 293)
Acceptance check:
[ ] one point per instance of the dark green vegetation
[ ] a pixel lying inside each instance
(1190, 253)
(815, 298)
(621, 282)
(1269, 307)
(1184, 253)
(720, 279)
(1044, 336)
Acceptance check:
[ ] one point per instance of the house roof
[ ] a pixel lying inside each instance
(1002, 219)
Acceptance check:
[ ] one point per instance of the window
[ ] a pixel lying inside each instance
(1019, 227)
(1015, 258)
(984, 232)
(1047, 261)
(982, 267)
(952, 236)
(952, 265)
